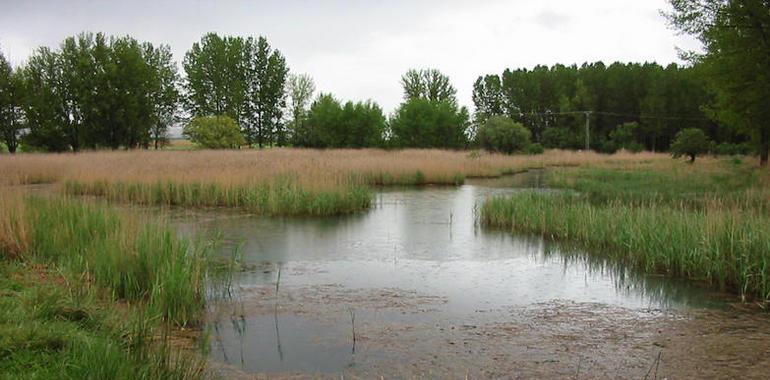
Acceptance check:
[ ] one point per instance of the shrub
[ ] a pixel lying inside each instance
(689, 142)
(501, 134)
(214, 132)
(535, 149)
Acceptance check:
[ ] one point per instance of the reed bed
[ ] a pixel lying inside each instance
(725, 248)
(707, 222)
(712, 182)
(91, 293)
(272, 181)
(136, 260)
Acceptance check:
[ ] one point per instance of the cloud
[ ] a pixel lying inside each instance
(549, 19)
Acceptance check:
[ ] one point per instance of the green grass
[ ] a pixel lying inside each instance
(95, 294)
(683, 185)
(136, 261)
(50, 331)
(727, 249)
(708, 222)
(284, 196)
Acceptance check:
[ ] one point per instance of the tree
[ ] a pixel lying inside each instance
(362, 124)
(624, 137)
(163, 91)
(736, 38)
(690, 142)
(422, 123)
(214, 132)
(11, 115)
(428, 84)
(266, 93)
(501, 134)
(354, 125)
(300, 89)
(47, 109)
(217, 69)
(487, 98)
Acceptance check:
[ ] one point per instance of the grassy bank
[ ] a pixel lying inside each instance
(89, 293)
(707, 223)
(280, 197)
(271, 181)
(708, 183)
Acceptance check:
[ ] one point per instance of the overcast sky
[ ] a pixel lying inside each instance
(358, 50)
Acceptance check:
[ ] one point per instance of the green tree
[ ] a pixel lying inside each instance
(300, 89)
(502, 134)
(736, 38)
(624, 137)
(690, 142)
(353, 125)
(11, 113)
(214, 132)
(323, 127)
(428, 84)
(363, 125)
(422, 123)
(163, 91)
(217, 69)
(267, 94)
(47, 109)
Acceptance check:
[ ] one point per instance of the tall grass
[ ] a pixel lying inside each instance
(48, 330)
(283, 196)
(707, 222)
(273, 181)
(135, 260)
(708, 183)
(86, 292)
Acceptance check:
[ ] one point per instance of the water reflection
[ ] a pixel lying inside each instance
(414, 242)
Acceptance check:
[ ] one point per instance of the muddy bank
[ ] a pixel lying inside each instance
(401, 334)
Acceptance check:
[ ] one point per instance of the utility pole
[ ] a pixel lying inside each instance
(588, 130)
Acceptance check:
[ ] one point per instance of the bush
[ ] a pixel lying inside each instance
(535, 149)
(501, 134)
(214, 132)
(689, 142)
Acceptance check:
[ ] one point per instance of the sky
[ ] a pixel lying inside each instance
(358, 50)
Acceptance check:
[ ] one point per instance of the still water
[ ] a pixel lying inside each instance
(418, 259)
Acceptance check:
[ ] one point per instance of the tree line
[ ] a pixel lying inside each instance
(639, 106)
(96, 91)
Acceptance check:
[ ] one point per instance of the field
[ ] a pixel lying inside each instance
(274, 181)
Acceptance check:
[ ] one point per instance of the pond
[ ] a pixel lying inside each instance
(416, 287)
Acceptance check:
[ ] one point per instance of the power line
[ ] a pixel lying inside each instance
(605, 113)
(617, 114)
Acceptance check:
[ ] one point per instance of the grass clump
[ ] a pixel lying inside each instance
(86, 292)
(283, 196)
(136, 261)
(725, 248)
(48, 330)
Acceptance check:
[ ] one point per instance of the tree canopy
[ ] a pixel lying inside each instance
(689, 142)
(736, 61)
